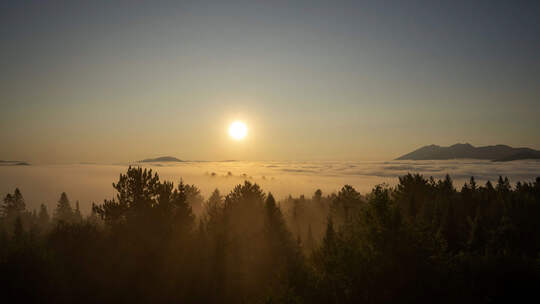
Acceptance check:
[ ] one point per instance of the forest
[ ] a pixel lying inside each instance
(421, 241)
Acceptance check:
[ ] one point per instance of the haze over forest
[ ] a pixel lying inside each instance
(89, 183)
(269, 151)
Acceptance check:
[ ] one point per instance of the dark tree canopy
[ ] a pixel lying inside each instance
(422, 241)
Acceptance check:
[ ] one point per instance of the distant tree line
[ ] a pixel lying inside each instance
(422, 241)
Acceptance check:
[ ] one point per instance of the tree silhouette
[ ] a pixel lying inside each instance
(346, 204)
(194, 198)
(77, 216)
(13, 205)
(43, 217)
(18, 233)
(63, 211)
(422, 241)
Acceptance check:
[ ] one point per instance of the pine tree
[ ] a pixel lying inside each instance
(183, 212)
(472, 183)
(13, 205)
(317, 196)
(328, 249)
(63, 212)
(276, 230)
(346, 204)
(212, 207)
(327, 262)
(93, 218)
(194, 198)
(285, 255)
(310, 241)
(77, 216)
(18, 232)
(503, 185)
(43, 217)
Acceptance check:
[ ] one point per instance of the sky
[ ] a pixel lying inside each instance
(113, 81)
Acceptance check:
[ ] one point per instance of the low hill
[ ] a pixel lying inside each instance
(13, 163)
(161, 159)
(463, 151)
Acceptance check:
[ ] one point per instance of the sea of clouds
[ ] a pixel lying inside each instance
(89, 183)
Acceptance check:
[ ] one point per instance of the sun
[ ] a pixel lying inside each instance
(238, 130)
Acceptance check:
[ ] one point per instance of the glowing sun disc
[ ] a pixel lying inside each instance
(238, 130)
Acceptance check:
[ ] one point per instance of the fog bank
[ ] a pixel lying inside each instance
(89, 183)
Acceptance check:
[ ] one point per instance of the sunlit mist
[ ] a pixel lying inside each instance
(244, 151)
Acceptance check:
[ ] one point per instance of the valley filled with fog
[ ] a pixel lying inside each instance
(89, 183)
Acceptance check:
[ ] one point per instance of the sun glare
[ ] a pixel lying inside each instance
(238, 130)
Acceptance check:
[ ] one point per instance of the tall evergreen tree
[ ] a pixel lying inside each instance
(194, 198)
(13, 205)
(43, 217)
(63, 211)
(212, 210)
(310, 241)
(77, 216)
(317, 196)
(18, 231)
(346, 204)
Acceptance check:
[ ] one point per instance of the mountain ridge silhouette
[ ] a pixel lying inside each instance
(161, 159)
(500, 153)
(13, 163)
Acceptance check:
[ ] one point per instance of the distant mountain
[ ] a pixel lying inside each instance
(161, 159)
(13, 163)
(457, 151)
